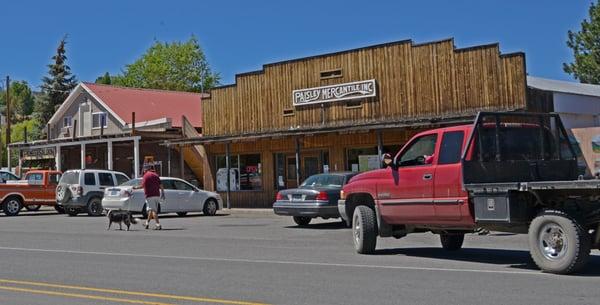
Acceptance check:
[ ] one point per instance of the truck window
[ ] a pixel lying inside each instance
(106, 179)
(418, 150)
(35, 179)
(450, 148)
(89, 179)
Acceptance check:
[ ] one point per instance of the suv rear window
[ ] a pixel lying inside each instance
(106, 179)
(89, 179)
(121, 179)
(70, 178)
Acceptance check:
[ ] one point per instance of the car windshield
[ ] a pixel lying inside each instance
(324, 181)
(70, 178)
(133, 182)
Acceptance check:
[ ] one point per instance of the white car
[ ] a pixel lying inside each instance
(180, 197)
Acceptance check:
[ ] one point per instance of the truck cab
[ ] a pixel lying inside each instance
(510, 172)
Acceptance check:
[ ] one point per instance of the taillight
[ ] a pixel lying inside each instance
(279, 196)
(322, 196)
(126, 193)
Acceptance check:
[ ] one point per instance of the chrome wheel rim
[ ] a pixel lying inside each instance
(356, 228)
(12, 206)
(212, 207)
(553, 242)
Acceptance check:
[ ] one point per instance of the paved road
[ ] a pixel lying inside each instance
(257, 258)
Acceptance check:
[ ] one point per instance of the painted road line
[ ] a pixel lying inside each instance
(126, 292)
(276, 262)
(81, 296)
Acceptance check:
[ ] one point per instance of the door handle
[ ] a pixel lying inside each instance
(427, 176)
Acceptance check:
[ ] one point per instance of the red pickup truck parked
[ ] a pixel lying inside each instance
(509, 172)
(36, 189)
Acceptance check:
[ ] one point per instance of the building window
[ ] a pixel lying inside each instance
(99, 120)
(245, 173)
(331, 74)
(67, 121)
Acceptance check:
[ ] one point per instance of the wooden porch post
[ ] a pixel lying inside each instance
(379, 148)
(297, 162)
(228, 166)
(136, 157)
(82, 153)
(110, 155)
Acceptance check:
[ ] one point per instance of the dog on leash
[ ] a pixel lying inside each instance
(120, 217)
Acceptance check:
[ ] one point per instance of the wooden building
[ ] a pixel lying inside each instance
(342, 111)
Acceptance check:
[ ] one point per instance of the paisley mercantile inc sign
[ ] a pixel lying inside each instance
(334, 93)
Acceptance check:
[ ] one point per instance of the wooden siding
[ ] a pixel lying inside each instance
(413, 81)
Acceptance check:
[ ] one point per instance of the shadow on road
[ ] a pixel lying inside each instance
(338, 225)
(519, 259)
(32, 214)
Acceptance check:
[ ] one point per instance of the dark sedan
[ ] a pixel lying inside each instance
(317, 196)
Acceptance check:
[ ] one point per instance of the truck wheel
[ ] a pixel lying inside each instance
(12, 206)
(558, 243)
(452, 242)
(364, 230)
(94, 207)
(33, 207)
(302, 220)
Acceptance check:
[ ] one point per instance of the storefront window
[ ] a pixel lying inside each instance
(245, 172)
(367, 158)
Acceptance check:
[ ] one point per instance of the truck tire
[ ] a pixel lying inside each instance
(12, 206)
(557, 242)
(94, 207)
(302, 220)
(452, 242)
(364, 230)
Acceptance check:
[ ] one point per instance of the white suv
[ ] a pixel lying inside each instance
(82, 190)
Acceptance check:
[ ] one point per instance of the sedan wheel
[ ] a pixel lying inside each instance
(210, 207)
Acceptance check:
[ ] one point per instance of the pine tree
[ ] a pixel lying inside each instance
(57, 85)
(586, 49)
(105, 79)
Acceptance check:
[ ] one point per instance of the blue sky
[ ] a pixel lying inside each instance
(240, 36)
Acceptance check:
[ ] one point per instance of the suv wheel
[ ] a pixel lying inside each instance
(12, 206)
(94, 207)
(558, 243)
(59, 209)
(71, 211)
(63, 193)
(364, 230)
(452, 242)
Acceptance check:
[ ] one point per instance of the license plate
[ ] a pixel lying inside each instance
(297, 197)
(114, 193)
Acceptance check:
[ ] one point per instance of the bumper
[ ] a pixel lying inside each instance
(342, 210)
(306, 209)
(76, 202)
(116, 203)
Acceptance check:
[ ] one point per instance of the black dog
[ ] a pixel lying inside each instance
(120, 217)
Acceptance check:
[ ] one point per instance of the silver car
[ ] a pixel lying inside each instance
(180, 197)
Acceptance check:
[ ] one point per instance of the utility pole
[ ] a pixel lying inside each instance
(7, 115)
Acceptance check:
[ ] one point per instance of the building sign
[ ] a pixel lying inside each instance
(334, 93)
(39, 153)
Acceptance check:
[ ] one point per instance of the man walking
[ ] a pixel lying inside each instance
(154, 191)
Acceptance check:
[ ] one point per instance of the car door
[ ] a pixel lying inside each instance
(35, 191)
(50, 187)
(171, 197)
(450, 198)
(406, 192)
(185, 194)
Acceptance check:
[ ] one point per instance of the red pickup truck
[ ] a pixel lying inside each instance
(36, 189)
(508, 172)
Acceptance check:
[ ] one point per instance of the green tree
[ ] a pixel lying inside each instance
(586, 49)
(180, 66)
(21, 100)
(104, 79)
(56, 86)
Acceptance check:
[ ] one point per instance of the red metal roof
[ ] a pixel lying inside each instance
(150, 104)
